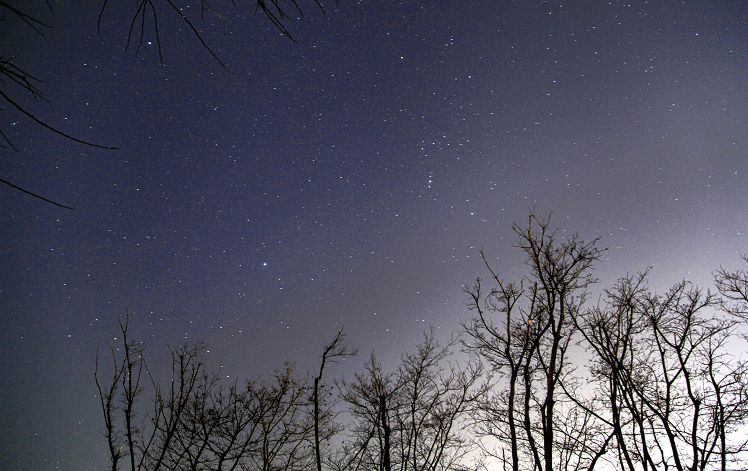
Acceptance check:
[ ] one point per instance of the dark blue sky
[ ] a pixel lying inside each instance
(348, 178)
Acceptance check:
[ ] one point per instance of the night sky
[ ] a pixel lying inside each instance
(347, 178)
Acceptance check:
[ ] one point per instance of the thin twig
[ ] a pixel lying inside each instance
(8, 141)
(53, 129)
(101, 13)
(197, 33)
(31, 21)
(31, 193)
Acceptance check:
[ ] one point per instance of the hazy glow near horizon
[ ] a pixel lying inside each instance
(348, 178)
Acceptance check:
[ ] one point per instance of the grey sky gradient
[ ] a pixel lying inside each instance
(348, 178)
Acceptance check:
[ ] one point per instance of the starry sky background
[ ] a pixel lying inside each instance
(348, 178)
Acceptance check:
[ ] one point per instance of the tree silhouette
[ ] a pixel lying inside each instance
(333, 352)
(675, 393)
(413, 417)
(524, 332)
(733, 286)
(197, 422)
(638, 381)
(660, 390)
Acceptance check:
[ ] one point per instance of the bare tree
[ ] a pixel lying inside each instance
(410, 419)
(368, 396)
(524, 332)
(122, 392)
(733, 286)
(108, 396)
(675, 394)
(504, 344)
(197, 423)
(333, 352)
(284, 425)
(147, 444)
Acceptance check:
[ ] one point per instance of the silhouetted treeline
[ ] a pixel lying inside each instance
(539, 379)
